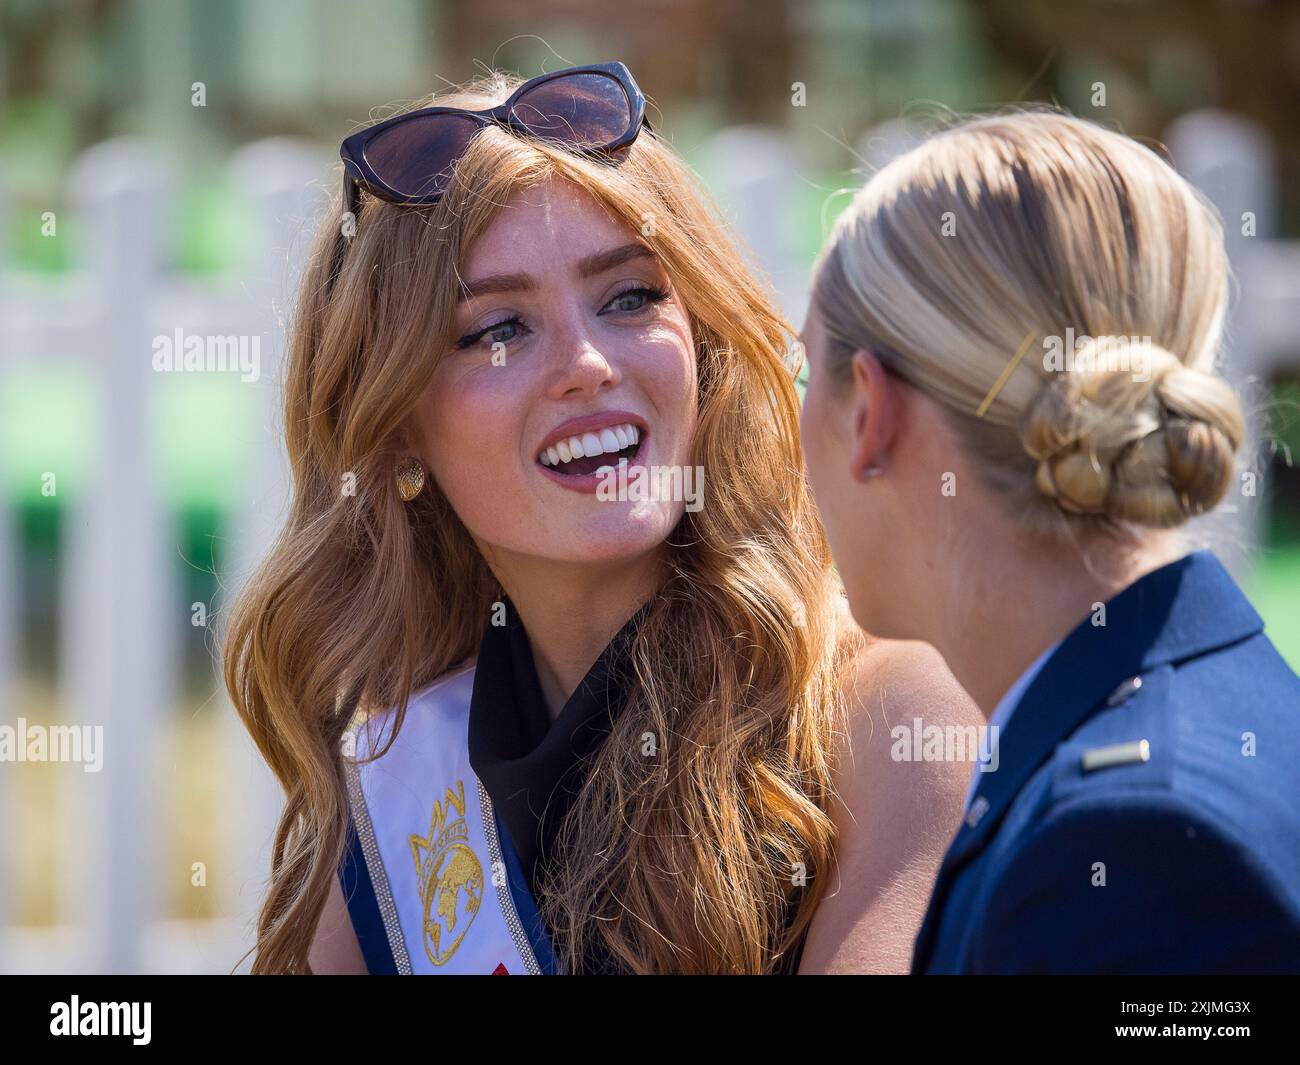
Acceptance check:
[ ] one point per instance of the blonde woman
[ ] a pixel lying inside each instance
(528, 717)
(1012, 343)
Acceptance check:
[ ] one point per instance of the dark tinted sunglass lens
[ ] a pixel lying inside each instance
(415, 158)
(587, 110)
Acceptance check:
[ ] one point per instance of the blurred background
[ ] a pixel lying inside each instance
(161, 162)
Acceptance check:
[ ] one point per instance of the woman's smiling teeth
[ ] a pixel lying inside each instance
(576, 454)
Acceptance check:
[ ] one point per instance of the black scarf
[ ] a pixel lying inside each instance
(533, 768)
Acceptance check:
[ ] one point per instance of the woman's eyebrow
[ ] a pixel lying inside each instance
(495, 283)
(587, 267)
(607, 260)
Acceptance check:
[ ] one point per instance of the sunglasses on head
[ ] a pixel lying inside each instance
(409, 159)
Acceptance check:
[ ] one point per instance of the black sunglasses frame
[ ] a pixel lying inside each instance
(358, 173)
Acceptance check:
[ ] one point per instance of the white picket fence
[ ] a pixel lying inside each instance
(121, 617)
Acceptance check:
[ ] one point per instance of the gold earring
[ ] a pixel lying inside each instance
(410, 478)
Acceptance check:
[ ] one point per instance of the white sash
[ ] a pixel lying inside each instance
(429, 835)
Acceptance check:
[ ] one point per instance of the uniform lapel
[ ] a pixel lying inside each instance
(1179, 611)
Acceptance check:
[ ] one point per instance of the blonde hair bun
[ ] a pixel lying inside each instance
(1047, 220)
(1150, 440)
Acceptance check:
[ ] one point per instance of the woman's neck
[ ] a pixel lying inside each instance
(1015, 604)
(571, 612)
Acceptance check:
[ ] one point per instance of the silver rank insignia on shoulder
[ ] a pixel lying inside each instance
(977, 811)
(1124, 691)
(1116, 754)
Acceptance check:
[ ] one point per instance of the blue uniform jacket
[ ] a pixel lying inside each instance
(1145, 813)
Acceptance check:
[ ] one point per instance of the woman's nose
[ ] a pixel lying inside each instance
(580, 366)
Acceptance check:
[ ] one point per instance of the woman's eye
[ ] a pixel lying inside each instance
(636, 299)
(500, 333)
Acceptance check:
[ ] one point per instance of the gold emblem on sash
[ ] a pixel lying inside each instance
(450, 876)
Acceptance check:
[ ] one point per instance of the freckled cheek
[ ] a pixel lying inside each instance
(665, 364)
(474, 439)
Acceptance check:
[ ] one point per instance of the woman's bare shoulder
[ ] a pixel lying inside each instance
(891, 681)
(895, 689)
(895, 816)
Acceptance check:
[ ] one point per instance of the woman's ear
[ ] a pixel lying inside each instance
(875, 415)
